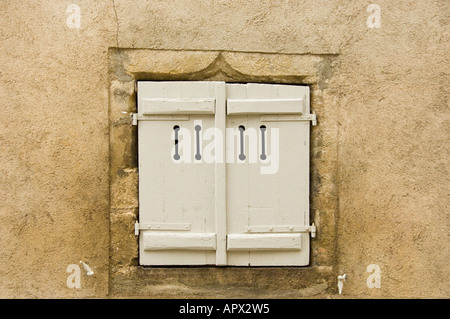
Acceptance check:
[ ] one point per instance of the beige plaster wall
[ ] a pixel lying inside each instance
(393, 152)
(385, 93)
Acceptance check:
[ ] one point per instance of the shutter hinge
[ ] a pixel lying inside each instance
(161, 226)
(134, 118)
(313, 118)
(281, 229)
(312, 230)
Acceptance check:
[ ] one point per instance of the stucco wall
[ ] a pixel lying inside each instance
(383, 103)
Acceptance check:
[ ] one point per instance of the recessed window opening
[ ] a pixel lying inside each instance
(223, 174)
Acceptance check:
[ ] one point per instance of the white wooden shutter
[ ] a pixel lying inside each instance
(268, 214)
(252, 210)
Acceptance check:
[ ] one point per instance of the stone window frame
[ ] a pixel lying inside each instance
(126, 277)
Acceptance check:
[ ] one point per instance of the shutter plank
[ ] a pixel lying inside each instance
(264, 242)
(171, 241)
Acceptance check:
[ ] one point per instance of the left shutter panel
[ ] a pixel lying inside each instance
(177, 200)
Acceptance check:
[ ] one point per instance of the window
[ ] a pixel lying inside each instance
(223, 174)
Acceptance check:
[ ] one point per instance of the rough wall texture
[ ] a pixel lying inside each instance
(386, 100)
(393, 151)
(54, 142)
